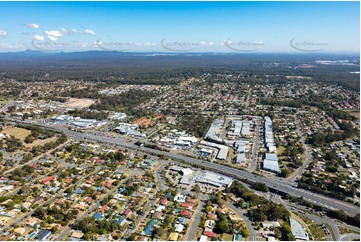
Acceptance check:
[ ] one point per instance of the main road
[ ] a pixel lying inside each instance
(272, 182)
(308, 154)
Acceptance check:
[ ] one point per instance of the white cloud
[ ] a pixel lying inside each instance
(53, 34)
(64, 31)
(10, 46)
(74, 31)
(89, 31)
(3, 33)
(52, 38)
(38, 37)
(149, 44)
(33, 26)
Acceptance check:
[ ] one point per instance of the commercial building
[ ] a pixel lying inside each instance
(206, 177)
(77, 121)
(297, 230)
(205, 152)
(222, 149)
(117, 116)
(129, 129)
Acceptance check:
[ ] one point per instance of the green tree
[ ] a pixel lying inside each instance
(245, 233)
(208, 209)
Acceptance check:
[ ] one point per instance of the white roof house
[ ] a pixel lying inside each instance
(203, 238)
(179, 228)
(180, 198)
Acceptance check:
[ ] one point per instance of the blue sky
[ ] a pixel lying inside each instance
(180, 26)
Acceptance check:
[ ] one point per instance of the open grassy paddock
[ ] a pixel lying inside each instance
(19, 133)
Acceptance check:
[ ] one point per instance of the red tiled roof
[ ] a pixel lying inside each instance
(185, 213)
(48, 179)
(164, 202)
(210, 234)
(103, 208)
(187, 205)
(127, 211)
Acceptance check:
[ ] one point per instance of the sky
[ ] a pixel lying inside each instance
(180, 26)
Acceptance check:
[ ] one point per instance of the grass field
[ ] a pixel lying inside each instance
(280, 150)
(355, 114)
(317, 232)
(41, 142)
(304, 218)
(17, 132)
(347, 231)
(228, 237)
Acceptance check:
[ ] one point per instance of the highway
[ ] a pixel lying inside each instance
(272, 182)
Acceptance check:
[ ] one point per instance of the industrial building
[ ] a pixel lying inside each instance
(246, 129)
(270, 163)
(214, 132)
(236, 128)
(268, 135)
(240, 158)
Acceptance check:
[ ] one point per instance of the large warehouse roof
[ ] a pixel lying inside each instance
(271, 165)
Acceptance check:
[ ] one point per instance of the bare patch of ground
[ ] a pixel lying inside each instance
(79, 102)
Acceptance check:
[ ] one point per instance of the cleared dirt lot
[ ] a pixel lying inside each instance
(79, 102)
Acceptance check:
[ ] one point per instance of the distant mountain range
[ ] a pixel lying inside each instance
(39, 58)
(150, 67)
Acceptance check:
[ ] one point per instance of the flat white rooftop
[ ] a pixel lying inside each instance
(297, 230)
